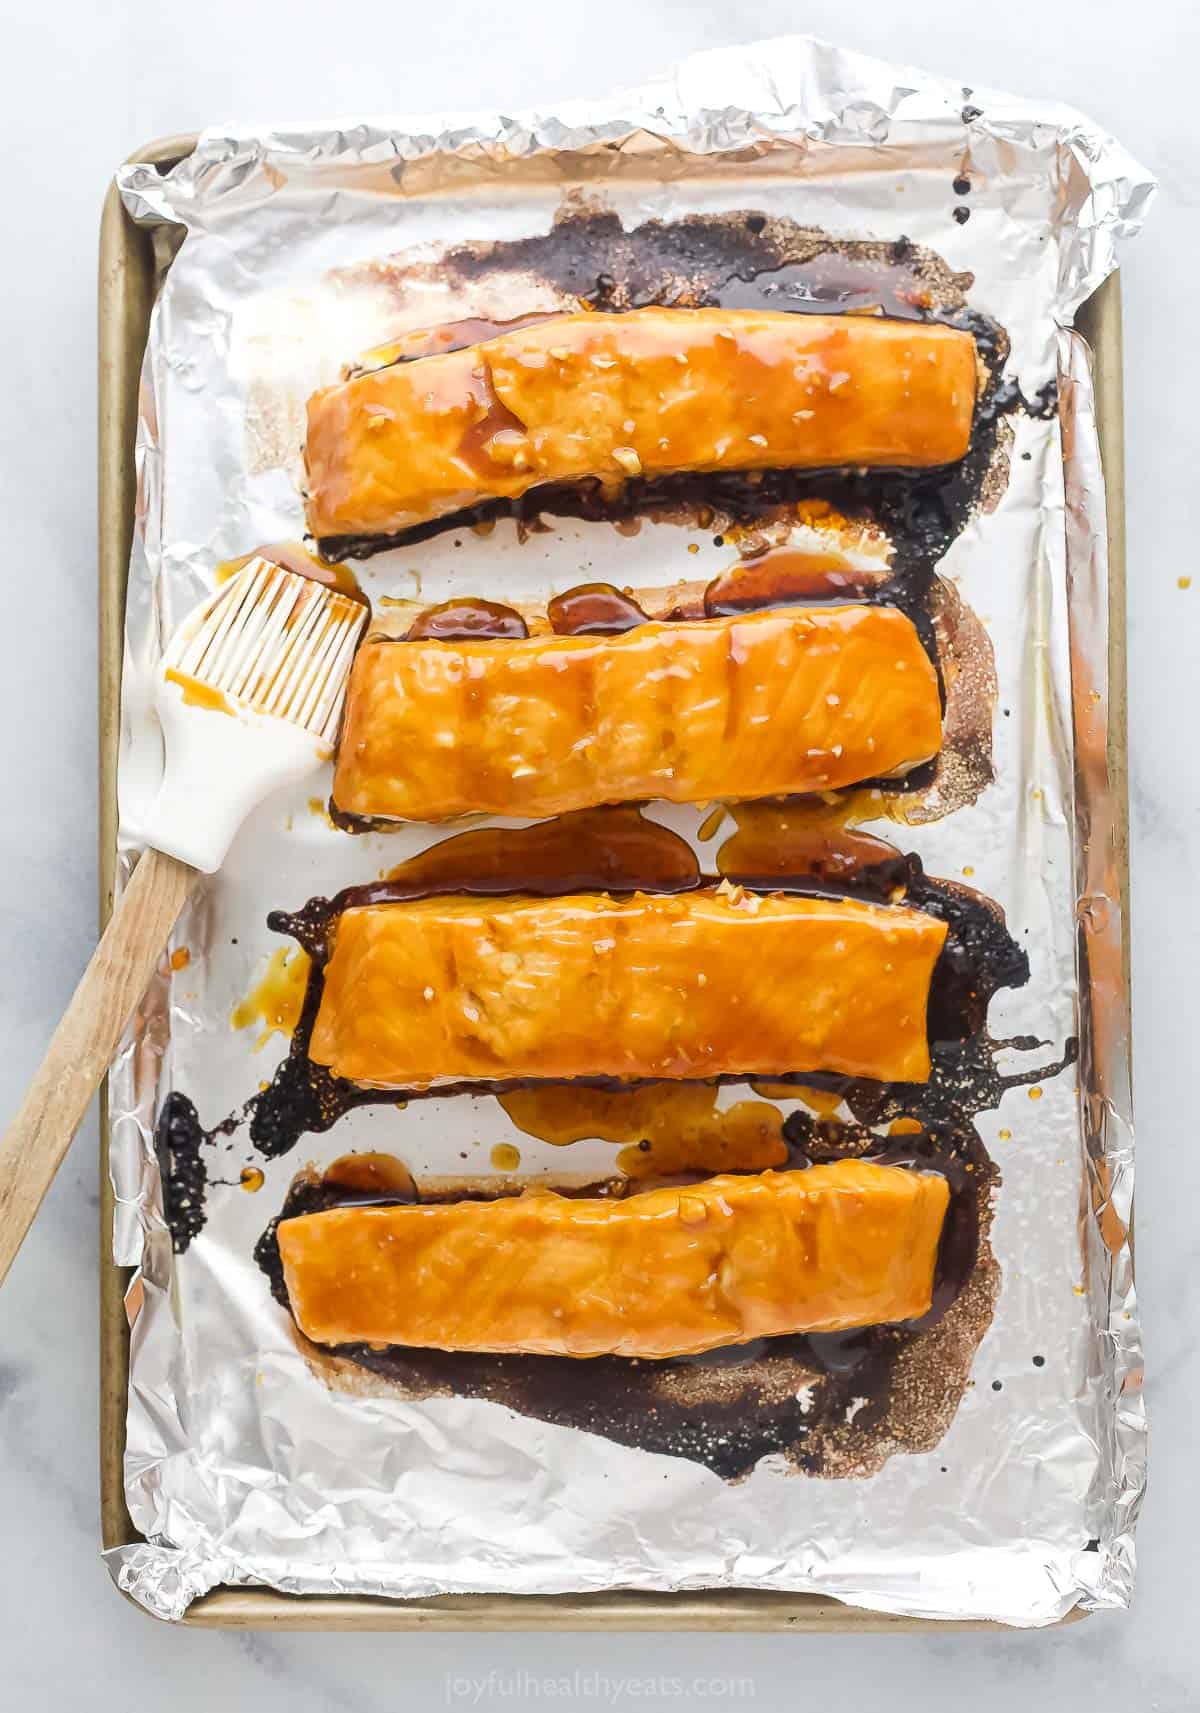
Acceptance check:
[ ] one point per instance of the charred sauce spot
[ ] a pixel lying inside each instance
(179, 1141)
(965, 1080)
(1042, 407)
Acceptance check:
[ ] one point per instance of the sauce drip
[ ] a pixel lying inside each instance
(613, 850)
(803, 837)
(467, 620)
(824, 1102)
(277, 1000)
(595, 609)
(666, 1127)
(497, 438)
(782, 575)
(835, 813)
(364, 1179)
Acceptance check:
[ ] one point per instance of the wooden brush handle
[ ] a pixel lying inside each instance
(85, 1041)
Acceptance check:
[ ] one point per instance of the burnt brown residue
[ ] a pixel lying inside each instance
(738, 261)
(594, 609)
(979, 957)
(966, 667)
(179, 1141)
(828, 1402)
(734, 261)
(467, 620)
(965, 1080)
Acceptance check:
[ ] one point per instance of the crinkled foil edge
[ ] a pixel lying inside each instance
(1106, 1072)
(724, 101)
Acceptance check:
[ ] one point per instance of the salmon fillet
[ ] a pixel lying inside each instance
(714, 982)
(759, 705)
(668, 1273)
(648, 392)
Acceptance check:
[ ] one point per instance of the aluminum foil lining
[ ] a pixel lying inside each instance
(241, 1467)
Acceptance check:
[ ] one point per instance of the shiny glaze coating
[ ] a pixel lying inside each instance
(712, 982)
(671, 1272)
(648, 392)
(762, 704)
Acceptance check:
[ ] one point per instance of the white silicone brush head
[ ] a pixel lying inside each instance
(250, 696)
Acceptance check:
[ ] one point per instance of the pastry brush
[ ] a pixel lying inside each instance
(249, 695)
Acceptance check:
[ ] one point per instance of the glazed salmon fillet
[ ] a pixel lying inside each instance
(667, 1273)
(762, 704)
(644, 393)
(699, 984)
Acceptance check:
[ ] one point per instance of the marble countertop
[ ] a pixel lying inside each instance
(86, 85)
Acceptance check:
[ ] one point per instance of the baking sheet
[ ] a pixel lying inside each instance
(214, 1498)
